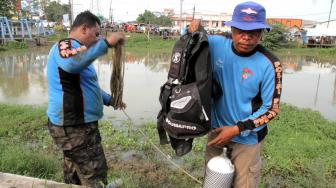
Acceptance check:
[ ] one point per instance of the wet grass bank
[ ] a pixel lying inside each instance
(137, 43)
(13, 45)
(313, 54)
(300, 151)
(140, 44)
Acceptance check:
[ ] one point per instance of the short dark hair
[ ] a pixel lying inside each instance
(86, 18)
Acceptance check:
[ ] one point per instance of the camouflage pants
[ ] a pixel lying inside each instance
(84, 159)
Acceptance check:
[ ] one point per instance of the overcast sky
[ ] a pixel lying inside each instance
(127, 10)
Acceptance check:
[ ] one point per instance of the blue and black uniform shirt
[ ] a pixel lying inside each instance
(74, 93)
(251, 89)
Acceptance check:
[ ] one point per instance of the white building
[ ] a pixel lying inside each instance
(323, 29)
(322, 34)
(211, 22)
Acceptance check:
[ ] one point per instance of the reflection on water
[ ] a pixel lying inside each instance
(144, 74)
(22, 78)
(23, 81)
(307, 82)
(310, 83)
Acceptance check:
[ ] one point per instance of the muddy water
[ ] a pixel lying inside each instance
(307, 82)
(310, 83)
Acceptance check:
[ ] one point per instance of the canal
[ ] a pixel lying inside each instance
(307, 82)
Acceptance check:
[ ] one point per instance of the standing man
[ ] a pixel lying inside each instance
(249, 78)
(76, 101)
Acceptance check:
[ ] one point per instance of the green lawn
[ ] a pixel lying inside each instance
(300, 151)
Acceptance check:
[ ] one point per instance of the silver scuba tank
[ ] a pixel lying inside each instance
(219, 172)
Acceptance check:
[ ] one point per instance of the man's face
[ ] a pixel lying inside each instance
(91, 35)
(245, 41)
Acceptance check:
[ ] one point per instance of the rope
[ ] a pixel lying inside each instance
(116, 85)
(159, 150)
(117, 78)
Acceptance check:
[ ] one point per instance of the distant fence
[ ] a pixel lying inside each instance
(21, 29)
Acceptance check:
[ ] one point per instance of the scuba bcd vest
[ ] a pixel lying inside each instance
(186, 97)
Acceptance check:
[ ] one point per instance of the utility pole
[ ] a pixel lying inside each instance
(193, 13)
(334, 95)
(147, 27)
(181, 1)
(111, 13)
(98, 8)
(71, 13)
(332, 1)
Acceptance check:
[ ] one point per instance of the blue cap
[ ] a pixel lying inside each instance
(249, 16)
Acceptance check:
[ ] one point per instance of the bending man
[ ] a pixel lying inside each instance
(76, 101)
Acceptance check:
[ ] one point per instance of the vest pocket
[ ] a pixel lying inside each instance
(186, 116)
(186, 104)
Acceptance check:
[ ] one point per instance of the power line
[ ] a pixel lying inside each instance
(189, 11)
(111, 13)
(332, 1)
(314, 14)
(310, 14)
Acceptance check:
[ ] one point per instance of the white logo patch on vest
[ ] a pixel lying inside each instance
(219, 62)
(180, 103)
(176, 57)
(181, 126)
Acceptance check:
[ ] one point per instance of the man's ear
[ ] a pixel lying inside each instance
(262, 35)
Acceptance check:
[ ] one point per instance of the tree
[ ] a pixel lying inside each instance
(7, 8)
(146, 17)
(44, 4)
(150, 18)
(164, 21)
(276, 38)
(101, 18)
(54, 11)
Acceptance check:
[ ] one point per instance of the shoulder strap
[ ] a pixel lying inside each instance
(178, 59)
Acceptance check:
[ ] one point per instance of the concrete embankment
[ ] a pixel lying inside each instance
(16, 181)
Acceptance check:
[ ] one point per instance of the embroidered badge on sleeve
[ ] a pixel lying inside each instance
(65, 50)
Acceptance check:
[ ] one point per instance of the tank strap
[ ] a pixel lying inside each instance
(162, 134)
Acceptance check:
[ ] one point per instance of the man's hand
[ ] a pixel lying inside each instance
(224, 135)
(116, 38)
(117, 105)
(194, 25)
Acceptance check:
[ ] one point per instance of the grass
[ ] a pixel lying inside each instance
(138, 43)
(309, 51)
(13, 45)
(300, 151)
(58, 36)
(25, 144)
(316, 54)
(134, 40)
(28, 161)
